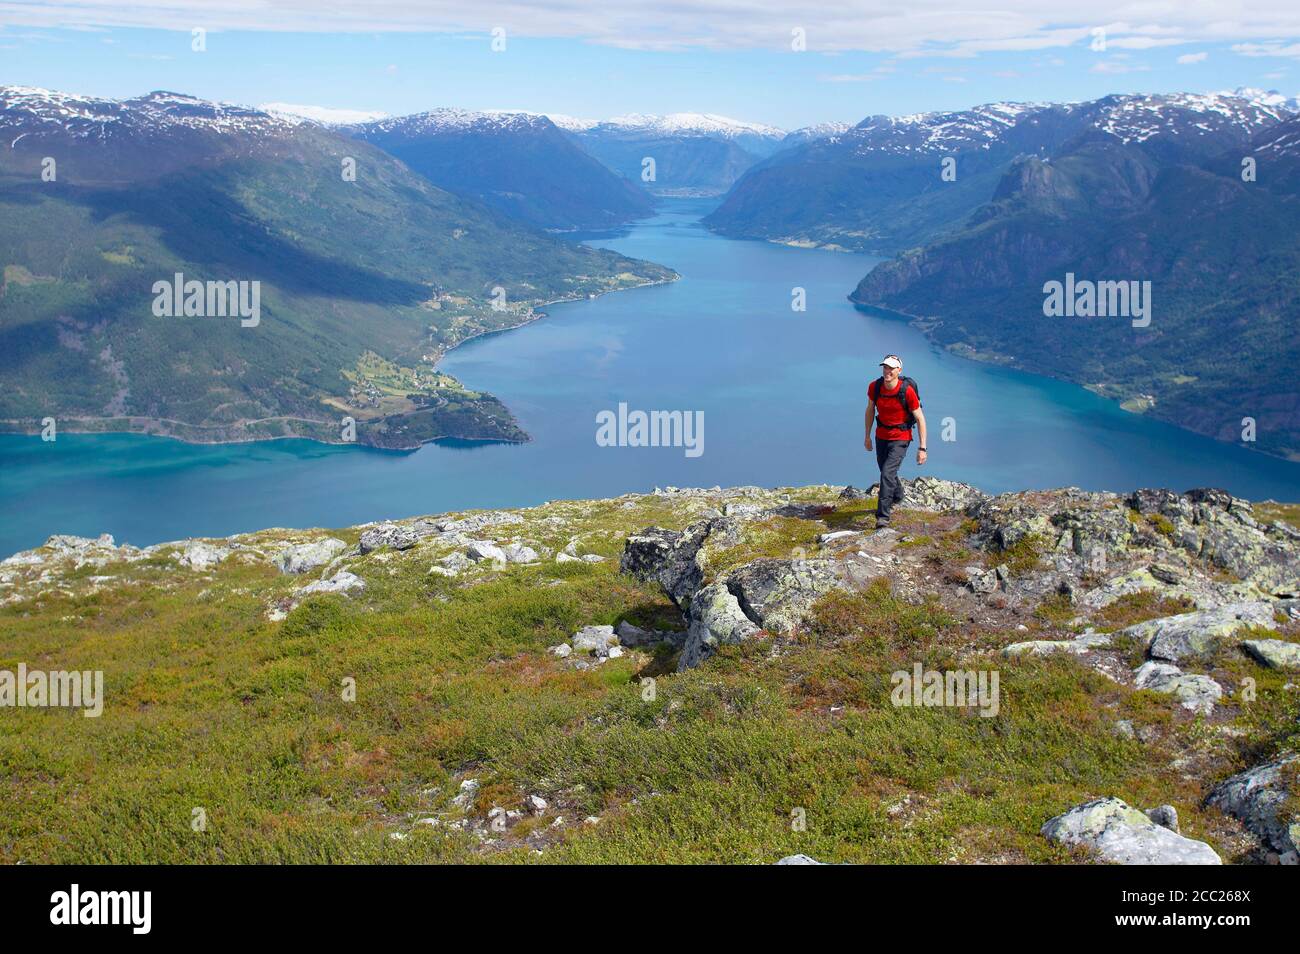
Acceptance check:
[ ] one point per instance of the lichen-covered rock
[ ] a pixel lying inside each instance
(1195, 693)
(340, 582)
(1121, 834)
(518, 553)
(1258, 797)
(1213, 524)
(1079, 646)
(391, 535)
(198, 555)
(479, 551)
(634, 636)
(932, 494)
(1173, 638)
(777, 593)
(1274, 653)
(307, 556)
(671, 558)
(594, 639)
(799, 860)
(715, 619)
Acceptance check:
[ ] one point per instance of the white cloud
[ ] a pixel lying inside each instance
(1267, 49)
(952, 28)
(1119, 66)
(1188, 59)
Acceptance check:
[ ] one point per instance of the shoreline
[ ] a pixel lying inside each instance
(924, 325)
(144, 424)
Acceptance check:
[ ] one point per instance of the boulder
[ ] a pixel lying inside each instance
(340, 582)
(1123, 835)
(518, 553)
(478, 551)
(799, 860)
(776, 594)
(715, 618)
(634, 636)
(594, 639)
(387, 535)
(1173, 638)
(1166, 816)
(198, 555)
(307, 556)
(673, 558)
(1258, 799)
(1194, 692)
(1274, 653)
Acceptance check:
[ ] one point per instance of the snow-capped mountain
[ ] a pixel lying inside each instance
(94, 139)
(517, 162)
(1266, 97)
(325, 115)
(807, 134)
(876, 186)
(692, 153)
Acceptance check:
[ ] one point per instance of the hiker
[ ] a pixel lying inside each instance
(895, 403)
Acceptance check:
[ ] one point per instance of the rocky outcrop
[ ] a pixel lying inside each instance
(715, 619)
(1213, 524)
(1195, 693)
(307, 556)
(931, 494)
(393, 535)
(1257, 798)
(1121, 834)
(1197, 634)
(1274, 653)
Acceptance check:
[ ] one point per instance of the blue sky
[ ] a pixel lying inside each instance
(406, 70)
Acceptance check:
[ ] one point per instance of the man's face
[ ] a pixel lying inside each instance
(890, 374)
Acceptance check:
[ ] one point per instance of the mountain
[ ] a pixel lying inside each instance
(1151, 191)
(879, 186)
(363, 282)
(520, 164)
(693, 153)
(670, 677)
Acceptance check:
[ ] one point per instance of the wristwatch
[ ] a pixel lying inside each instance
(921, 449)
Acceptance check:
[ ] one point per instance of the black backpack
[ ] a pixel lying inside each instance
(903, 384)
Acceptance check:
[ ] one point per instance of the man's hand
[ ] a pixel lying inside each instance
(867, 443)
(921, 456)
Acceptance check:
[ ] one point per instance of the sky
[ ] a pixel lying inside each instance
(787, 64)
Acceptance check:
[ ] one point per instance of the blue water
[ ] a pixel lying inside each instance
(782, 395)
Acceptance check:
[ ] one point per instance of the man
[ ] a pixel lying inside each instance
(894, 406)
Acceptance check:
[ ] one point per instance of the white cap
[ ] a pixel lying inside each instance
(891, 361)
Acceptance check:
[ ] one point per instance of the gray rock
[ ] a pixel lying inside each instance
(630, 635)
(563, 650)
(799, 860)
(851, 493)
(715, 619)
(1192, 634)
(198, 555)
(340, 582)
(981, 580)
(1079, 646)
(478, 551)
(563, 557)
(518, 553)
(776, 594)
(594, 639)
(307, 556)
(387, 535)
(1166, 816)
(1194, 692)
(1274, 653)
(1123, 835)
(592, 558)
(1257, 798)
(669, 558)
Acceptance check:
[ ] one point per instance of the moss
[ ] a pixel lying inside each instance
(1022, 556)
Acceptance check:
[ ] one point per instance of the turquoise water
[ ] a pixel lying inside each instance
(782, 394)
